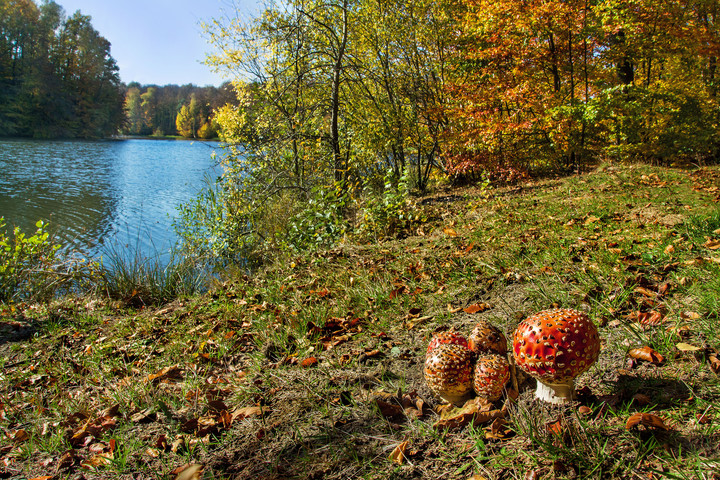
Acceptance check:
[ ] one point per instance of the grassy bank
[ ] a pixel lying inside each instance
(313, 367)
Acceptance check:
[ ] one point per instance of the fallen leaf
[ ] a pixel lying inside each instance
(473, 412)
(712, 244)
(714, 362)
(476, 308)
(557, 427)
(650, 318)
(309, 362)
(389, 410)
(167, 373)
(398, 454)
(647, 420)
(188, 472)
(450, 232)
(245, 412)
(647, 354)
(19, 436)
(686, 347)
(703, 418)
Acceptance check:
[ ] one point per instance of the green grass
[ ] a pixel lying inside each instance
(598, 242)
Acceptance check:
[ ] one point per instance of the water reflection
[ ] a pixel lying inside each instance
(105, 192)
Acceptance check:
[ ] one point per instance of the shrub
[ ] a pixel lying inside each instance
(32, 269)
(390, 213)
(321, 223)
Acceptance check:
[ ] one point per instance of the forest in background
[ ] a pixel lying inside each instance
(57, 77)
(174, 110)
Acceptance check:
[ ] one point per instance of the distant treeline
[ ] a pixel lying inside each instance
(174, 110)
(57, 78)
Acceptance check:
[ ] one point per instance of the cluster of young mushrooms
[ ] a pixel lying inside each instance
(553, 346)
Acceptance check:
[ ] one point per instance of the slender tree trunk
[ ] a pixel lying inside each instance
(340, 163)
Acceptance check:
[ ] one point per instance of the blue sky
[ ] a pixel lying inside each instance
(159, 41)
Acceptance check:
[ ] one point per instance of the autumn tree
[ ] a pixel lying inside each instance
(563, 83)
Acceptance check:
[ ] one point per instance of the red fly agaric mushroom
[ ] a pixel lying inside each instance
(446, 337)
(555, 346)
(492, 372)
(487, 338)
(449, 372)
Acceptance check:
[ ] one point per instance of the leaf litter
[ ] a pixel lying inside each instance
(295, 380)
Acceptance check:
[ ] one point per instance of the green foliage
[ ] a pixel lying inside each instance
(31, 268)
(321, 223)
(389, 214)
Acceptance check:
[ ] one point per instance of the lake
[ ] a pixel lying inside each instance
(120, 193)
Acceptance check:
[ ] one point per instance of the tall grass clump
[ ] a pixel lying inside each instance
(140, 280)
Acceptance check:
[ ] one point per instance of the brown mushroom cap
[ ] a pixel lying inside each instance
(555, 346)
(492, 372)
(446, 337)
(487, 338)
(449, 371)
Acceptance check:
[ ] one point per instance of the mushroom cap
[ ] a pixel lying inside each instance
(557, 345)
(446, 337)
(487, 338)
(492, 372)
(449, 371)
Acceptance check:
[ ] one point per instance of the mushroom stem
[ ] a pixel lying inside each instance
(556, 392)
(457, 400)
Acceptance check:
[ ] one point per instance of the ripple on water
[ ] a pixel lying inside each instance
(97, 193)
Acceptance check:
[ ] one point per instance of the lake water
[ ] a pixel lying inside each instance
(98, 193)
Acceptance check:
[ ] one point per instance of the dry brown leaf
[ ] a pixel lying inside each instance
(44, 477)
(476, 308)
(644, 291)
(647, 354)
(98, 460)
(19, 436)
(703, 418)
(647, 420)
(712, 244)
(167, 373)
(452, 309)
(389, 410)
(450, 232)
(714, 362)
(650, 318)
(584, 410)
(686, 347)
(191, 471)
(498, 430)
(398, 454)
(245, 412)
(309, 362)
(455, 418)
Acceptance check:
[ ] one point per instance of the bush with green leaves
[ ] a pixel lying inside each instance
(390, 213)
(321, 223)
(31, 267)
